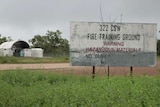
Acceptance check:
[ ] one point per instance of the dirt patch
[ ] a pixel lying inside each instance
(112, 71)
(85, 70)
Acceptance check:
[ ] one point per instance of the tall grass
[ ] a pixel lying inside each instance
(24, 88)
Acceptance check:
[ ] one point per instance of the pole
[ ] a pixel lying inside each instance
(131, 71)
(93, 73)
(131, 74)
(108, 72)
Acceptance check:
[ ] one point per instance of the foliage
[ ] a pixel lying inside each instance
(158, 47)
(45, 89)
(52, 42)
(4, 39)
(20, 60)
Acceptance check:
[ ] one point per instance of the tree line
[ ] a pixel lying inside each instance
(158, 47)
(52, 43)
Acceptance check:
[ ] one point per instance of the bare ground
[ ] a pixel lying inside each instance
(84, 70)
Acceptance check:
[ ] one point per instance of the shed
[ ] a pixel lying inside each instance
(13, 48)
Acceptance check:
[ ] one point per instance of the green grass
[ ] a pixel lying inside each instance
(24, 88)
(21, 60)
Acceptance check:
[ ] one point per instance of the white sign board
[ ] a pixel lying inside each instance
(112, 44)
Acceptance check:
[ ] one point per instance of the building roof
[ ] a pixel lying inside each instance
(16, 44)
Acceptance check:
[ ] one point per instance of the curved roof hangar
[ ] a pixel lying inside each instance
(14, 44)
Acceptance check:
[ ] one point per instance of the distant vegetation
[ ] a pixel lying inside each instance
(52, 43)
(4, 39)
(158, 47)
(24, 88)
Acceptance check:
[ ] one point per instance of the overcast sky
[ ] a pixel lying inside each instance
(22, 19)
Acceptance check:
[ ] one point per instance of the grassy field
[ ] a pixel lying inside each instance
(21, 60)
(25, 88)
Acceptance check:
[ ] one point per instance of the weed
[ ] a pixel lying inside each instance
(24, 88)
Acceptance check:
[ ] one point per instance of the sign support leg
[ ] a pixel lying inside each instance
(131, 71)
(131, 74)
(93, 72)
(108, 72)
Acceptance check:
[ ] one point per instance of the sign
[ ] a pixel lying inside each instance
(112, 44)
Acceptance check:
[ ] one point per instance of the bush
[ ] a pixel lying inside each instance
(24, 88)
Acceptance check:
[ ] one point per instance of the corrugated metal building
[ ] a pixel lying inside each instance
(13, 48)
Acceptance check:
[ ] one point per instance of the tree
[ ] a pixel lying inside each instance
(51, 42)
(4, 39)
(158, 47)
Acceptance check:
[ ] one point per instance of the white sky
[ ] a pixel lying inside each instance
(23, 19)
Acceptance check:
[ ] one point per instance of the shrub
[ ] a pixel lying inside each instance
(24, 88)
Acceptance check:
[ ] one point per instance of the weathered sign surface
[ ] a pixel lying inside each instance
(112, 44)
